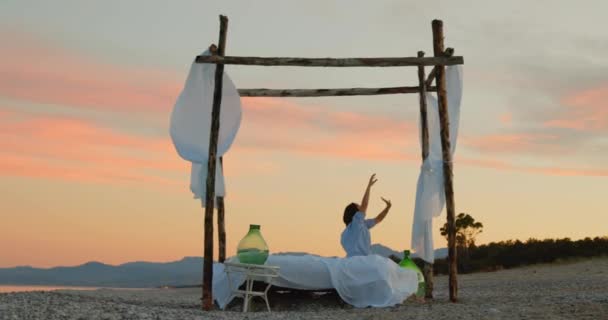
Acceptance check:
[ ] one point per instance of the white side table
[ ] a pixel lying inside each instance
(251, 272)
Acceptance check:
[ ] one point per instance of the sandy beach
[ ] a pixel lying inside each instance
(557, 291)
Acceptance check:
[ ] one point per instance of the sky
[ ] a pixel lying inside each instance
(88, 171)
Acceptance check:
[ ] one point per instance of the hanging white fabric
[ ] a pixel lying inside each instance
(191, 125)
(430, 194)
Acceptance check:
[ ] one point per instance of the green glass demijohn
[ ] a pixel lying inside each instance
(407, 263)
(252, 249)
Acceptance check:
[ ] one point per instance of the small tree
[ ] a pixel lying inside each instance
(466, 230)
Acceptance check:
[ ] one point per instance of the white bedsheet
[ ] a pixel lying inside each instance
(361, 281)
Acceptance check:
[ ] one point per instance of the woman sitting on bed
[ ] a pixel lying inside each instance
(356, 239)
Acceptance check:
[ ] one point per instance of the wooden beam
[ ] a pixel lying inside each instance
(429, 80)
(327, 92)
(444, 121)
(333, 62)
(207, 299)
(427, 269)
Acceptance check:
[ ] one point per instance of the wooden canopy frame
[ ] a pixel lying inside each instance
(441, 58)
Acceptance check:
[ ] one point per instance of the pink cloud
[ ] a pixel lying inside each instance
(515, 143)
(506, 118)
(276, 111)
(77, 150)
(586, 110)
(35, 70)
(552, 171)
(31, 167)
(45, 73)
(274, 124)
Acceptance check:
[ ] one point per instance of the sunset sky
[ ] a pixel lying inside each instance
(88, 171)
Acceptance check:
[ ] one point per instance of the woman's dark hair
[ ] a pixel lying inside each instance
(349, 213)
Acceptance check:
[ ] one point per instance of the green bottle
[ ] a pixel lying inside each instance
(407, 263)
(252, 249)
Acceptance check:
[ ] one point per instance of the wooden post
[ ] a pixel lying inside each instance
(429, 81)
(444, 120)
(423, 115)
(427, 269)
(210, 196)
(221, 227)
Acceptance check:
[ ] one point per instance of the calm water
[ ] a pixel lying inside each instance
(9, 288)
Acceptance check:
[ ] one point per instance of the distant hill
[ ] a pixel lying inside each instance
(385, 251)
(381, 250)
(129, 275)
(185, 272)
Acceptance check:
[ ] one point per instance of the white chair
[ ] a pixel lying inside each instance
(251, 273)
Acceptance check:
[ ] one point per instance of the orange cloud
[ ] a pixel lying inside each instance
(274, 124)
(74, 149)
(587, 110)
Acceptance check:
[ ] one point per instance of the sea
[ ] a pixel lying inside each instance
(28, 288)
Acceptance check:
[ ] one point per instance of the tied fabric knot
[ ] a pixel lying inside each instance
(431, 167)
(427, 168)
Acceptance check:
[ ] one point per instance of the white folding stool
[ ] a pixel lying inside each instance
(251, 272)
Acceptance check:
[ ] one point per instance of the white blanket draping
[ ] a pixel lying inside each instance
(430, 195)
(191, 123)
(361, 281)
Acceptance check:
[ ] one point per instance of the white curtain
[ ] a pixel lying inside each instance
(430, 194)
(191, 123)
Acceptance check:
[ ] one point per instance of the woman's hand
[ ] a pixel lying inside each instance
(372, 180)
(382, 214)
(388, 203)
(365, 200)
